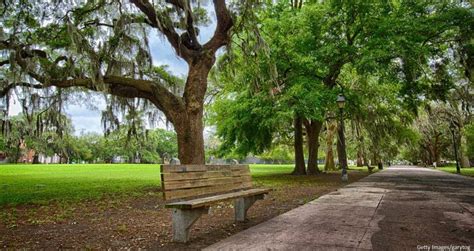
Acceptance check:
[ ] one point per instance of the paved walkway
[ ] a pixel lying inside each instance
(398, 208)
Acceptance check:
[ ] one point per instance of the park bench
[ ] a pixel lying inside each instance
(191, 189)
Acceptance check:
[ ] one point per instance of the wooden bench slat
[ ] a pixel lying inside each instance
(193, 192)
(183, 184)
(200, 168)
(184, 181)
(195, 203)
(201, 175)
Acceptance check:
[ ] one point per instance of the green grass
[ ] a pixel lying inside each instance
(42, 184)
(267, 170)
(452, 169)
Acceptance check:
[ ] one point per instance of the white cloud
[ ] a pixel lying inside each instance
(84, 118)
(87, 123)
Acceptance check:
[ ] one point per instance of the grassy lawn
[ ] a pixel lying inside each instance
(41, 184)
(101, 206)
(277, 175)
(452, 169)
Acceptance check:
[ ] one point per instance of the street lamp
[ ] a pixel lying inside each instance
(341, 101)
(452, 127)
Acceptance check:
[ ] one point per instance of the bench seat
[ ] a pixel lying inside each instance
(207, 201)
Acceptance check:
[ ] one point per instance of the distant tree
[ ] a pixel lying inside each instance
(81, 148)
(435, 136)
(44, 132)
(278, 154)
(146, 146)
(379, 120)
(13, 136)
(164, 143)
(469, 134)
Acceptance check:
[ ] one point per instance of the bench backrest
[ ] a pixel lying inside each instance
(184, 181)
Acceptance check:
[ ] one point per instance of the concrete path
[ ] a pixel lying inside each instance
(400, 208)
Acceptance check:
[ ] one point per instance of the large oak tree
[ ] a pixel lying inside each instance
(103, 46)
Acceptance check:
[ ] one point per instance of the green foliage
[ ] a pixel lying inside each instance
(469, 134)
(3, 144)
(279, 153)
(12, 139)
(293, 61)
(246, 123)
(380, 123)
(83, 147)
(164, 143)
(150, 146)
(44, 132)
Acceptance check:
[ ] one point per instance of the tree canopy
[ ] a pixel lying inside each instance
(381, 55)
(275, 83)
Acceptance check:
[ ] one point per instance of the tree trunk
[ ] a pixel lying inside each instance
(313, 129)
(360, 146)
(188, 123)
(298, 143)
(373, 161)
(365, 159)
(436, 151)
(367, 164)
(329, 164)
(360, 158)
(341, 145)
(191, 141)
(162, 156)
(338, 150)
(465, 163)
(36, 159)
(380, 165)
(17, 155)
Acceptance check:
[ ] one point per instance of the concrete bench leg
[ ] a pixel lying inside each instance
(183, 219)
(242, 205)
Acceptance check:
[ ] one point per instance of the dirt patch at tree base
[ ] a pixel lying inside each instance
(143, 222)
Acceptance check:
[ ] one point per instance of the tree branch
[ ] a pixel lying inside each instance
(166, 29)
(191, 35)
(224, 23)
(131, 88)
(97, 23)
(8, 87)
(160, 96)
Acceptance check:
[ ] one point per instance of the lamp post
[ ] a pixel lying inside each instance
(452, 127)
(341, 101)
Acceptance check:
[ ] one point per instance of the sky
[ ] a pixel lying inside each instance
(85, 119)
